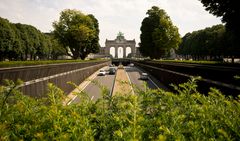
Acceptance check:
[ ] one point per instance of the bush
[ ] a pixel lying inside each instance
(147, 115)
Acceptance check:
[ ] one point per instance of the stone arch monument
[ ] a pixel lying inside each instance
(120, 43)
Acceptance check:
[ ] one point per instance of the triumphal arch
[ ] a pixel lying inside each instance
(120, 47)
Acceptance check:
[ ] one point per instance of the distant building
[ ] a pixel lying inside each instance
(113, 48)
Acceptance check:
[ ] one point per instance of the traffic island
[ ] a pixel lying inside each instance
(122, 83)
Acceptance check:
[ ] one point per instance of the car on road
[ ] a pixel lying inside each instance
(112, 70)
(102, 72)
(131, 65)
(144, 76)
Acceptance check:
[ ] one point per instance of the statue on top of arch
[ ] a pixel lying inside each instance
(120, 33)
(120, 37)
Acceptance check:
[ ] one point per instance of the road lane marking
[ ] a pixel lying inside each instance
(129, 81)
(149, 78)
(153, 82)
(114, 79)
(81, 87)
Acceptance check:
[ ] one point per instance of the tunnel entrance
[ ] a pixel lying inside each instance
(124, 62)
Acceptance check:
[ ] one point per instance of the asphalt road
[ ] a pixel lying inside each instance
(94, 91)
(134, 75)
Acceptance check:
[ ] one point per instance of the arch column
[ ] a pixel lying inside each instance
(124, 52)
(116, 52)
(133, 51)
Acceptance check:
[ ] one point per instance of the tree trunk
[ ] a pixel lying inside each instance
(83, 56)
(75, 55)
(233, 59)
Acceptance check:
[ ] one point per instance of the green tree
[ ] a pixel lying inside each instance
(30, 39)
(184, 46)
(77, 32)
(158, 34)
(56, 48)
(44, 48)
(94, 44)
(33, 35)
(23, 42)
(24, 37)
(7, 38)
(209, 42)
(17, 50)
(229, 11)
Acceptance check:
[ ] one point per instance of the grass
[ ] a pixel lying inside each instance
(192, 61)
(5, 64)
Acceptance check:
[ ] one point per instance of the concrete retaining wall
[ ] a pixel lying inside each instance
(36, 78)
(167, 77)
(28, 73)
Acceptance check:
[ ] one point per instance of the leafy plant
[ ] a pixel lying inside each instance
(237, 77)
(147, 115)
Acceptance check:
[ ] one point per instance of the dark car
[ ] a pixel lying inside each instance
(111, 71)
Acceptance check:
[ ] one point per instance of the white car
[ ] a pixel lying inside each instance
(144, 76)
(102, 72)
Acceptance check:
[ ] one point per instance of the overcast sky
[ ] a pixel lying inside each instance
(113, 15)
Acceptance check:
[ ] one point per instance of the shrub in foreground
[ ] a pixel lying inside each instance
(147, 115)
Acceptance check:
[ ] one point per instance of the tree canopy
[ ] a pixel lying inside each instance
(209, 42)
(7, 37)
(158, 34)
(77, 32)
(229, 11)
(25, 42)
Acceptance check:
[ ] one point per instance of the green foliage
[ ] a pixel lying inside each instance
(56, 49)
(77, 32)
(229, 12)
(210, 42)
(158, 34)
(7, 38)
(226, 9)
(192, 61)
(25, 42)
(147, 115)
(237, 77)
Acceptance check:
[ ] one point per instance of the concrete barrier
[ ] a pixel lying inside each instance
(27, 73)
(168, 77)
(37, 86)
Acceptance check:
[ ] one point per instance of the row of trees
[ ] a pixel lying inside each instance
(75, 35)
(158, 35)
(25, 42)
(217, 41)
(209, 43)
(229, 12)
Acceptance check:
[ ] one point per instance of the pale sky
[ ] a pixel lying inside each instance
(113, 15)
